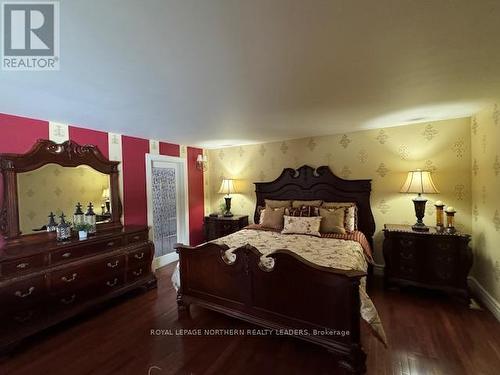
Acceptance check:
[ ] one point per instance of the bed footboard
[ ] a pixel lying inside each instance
(317, 304)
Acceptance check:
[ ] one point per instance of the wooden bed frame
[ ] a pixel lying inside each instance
(295, 295)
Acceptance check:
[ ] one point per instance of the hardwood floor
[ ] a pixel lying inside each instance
(428, 334)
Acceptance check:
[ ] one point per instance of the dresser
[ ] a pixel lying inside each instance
(220, 226)
(45, 282)
(427, 259)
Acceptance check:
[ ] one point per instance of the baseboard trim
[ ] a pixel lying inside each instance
(486, 298)
(164, 260)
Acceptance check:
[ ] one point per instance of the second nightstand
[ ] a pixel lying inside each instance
(220, 226)
(427, 259)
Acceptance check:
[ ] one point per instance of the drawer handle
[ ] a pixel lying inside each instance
(69, 279)
(109, 244)
(68, 301)
(139, 256)
(114, 264)
(66, 255)
(137, 273)
(22, 266)
(137, 237)
(24, 295)
(24, 318)
(112, 283)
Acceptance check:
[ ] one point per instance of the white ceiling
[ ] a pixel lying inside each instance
(228, 72)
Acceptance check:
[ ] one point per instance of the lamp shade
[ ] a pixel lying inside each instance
(227, 187)
(420, 182)
(105, 193)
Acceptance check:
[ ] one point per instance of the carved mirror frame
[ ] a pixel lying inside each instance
(67, 154)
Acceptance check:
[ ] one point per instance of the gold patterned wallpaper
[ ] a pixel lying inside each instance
(485, 134)
(58, 189)
(383, 155)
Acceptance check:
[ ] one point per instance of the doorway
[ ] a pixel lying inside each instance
(167, 197)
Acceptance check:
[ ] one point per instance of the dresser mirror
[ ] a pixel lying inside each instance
(57, 189)
(55, 177)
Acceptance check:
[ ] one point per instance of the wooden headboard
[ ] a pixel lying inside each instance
(306, 183)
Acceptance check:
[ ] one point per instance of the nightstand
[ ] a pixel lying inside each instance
(431, 259)
(220, 226)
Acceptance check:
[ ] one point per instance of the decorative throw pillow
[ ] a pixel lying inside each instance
(260, 213)
(297, 204)
(332, 220)
(277, 204)
(273, 218)
(302, 225)
(303, 211)
(351, 217)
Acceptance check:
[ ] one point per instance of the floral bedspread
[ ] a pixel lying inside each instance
(328, 252)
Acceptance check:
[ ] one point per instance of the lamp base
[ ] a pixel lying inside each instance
(227, 212)
(420, 227)
(419, 203)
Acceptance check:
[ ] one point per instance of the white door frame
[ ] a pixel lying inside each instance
(182, 204)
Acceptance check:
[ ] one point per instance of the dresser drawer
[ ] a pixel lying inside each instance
(69, 299)
(111, 265)
(19, 295)
(85, 274)
(15, 322)
(64, 255)
(137, 237)
(111, 283)
(71, 278)
(138, 272)
(20, 266)
(142, 255)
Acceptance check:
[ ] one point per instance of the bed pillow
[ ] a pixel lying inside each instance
(297, 204)
(260, 213)
(272, 218)
(302, 225)
(332, 220)
(277, 204)
(303, 211)
(351, 217)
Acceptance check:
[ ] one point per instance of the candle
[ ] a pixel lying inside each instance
(450, 209)
(439, 203)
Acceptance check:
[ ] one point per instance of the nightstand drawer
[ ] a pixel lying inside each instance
(216, 227)
(407, 271)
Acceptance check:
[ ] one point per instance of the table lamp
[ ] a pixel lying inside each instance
(227, 187)
(419, 182)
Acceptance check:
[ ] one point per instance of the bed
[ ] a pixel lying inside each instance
(308, 287)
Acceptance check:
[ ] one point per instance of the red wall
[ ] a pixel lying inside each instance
(134, 180)
(18, 134)
(170, 149)
(84, 136)
(196, 198)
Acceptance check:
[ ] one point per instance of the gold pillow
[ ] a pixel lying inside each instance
(302, 225)
(297, 204)
(351, 215)
(272, 218)
(278, 204)
(332, 220)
